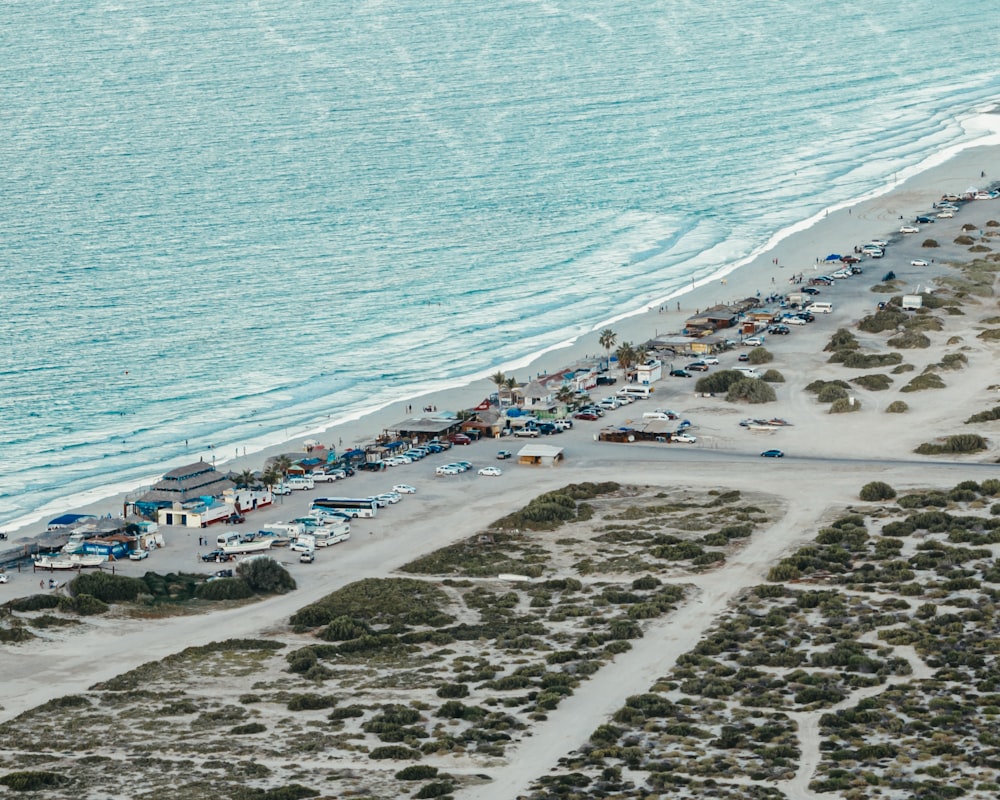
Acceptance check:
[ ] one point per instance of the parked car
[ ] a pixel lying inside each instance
(913, 228)
(530, 433)
(753, 341)
(610, 403)
(491, 471)
(850, 259)
(918, 262)
(697, 366)
(810, 290)
(679, 373)
(684, 438)
(820, 282)
(793, 319)
(710, 360)
(946, 214)
(281, 488)
(307, 557)
(743, 357)
(325, 477)
(138, 555)
(805, 315)
(503, 455)
(924, 220)
(235, 519)
(587, 415)
(772, 454)
(404, 488)
(4, 577)
(606, 380)
(459, 438)
(447, 469)
(372, 466)
(217, 555)
(563, 424)
(465, 466)
(780, 330)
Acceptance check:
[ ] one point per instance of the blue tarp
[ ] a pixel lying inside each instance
(833, 257)
(68, 519)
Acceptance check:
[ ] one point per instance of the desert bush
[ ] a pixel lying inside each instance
(877, 490)
(845, 405)
(718, 382)
(817, 386)
(249, 729)
(909, 340)
(107, 588)
(887, 319)
(760, 355)
(843, 339)
(378, 601)
(34, 781)
(310, 702)
(751, 390)
(968, 226)
(265, 576)
(964, 239)
(926, 381)
(33, 602)
(897, 407)
(989, 335)
(417, 772)
(397, 752)
(773, 376)
(86, 605)
(874, 383)
(831, 392)
(960, 443)
(453, 691)
(435, 789)
(980, 248)
(869, 360)
(930, 243)
(223, 589)
(952, 361)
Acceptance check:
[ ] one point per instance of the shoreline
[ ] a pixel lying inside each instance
(821, 233)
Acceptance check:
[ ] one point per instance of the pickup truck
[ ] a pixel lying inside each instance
(531, 433)
(503, 455)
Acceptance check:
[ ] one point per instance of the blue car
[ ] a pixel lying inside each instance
(772, 454)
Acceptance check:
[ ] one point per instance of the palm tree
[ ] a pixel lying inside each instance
(271, 477)
(511, 384)
(282, 464)
(641, 354)
(607, 339)
(499, 379)
(626, 357)
(245, 479)
(566, 395)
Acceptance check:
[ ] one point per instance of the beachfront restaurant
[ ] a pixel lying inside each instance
(188, 484)
(423, 429)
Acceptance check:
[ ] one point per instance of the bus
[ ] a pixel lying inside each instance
(354, 506)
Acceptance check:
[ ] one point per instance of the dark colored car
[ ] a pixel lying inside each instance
(781, 330)
(547, 428)
(372, 466)
(217, 555)
(850, 259)
(460, 438)
(589, 415)
(223, 573)
(743, 357)
(889, 276)
(235, 519)
(806, 316)
(606, 380)
(679, 373)
(503, 455)
(810, 290)
(772, 454)
(924, 220)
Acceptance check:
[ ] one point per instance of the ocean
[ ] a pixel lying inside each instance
(224, 224)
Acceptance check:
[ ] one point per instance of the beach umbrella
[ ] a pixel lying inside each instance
(833, 257)
(310, 443)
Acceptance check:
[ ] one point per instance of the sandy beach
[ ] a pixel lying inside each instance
(828, 458)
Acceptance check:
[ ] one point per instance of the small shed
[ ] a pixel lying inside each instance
(545, 455)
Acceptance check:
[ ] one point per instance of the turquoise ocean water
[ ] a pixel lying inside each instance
(221, 223)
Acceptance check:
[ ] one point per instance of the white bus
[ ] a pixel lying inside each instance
(354, 506)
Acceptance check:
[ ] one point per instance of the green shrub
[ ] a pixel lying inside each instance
(869, 360)
(927, 380)
(874, 383)
(985, 416)
(34, 781)
(33, 602)
(751, 390)
(223, 589)
(107, 588)
(966, 240)
(877, 490)
(397, 752)
(760, 355)
(453, 690)
(897, 407)
(435, 789)
(83, 604)
(265, 576)
(845, 405)
(887, 319)
(909, 340)
(930, 243)
(960, 443)
(310, 702)
(843, 339)
(248, 729)
(718, 382)
(818, 386)
(830, 393)
(417, 772)
(773, 376)
(378, 601)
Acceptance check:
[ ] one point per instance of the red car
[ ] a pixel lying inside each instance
(459, 438)
(850, 259)
(585, 415)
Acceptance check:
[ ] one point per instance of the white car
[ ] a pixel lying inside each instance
(448, 469)
(910, 228)
(918, 262)
(281, 488)
(491, 471)
(753, 341)
(403, 488)
(710, 360)
(945, 215)
(138, 555)
(686, 438)
(880, 243)
(322, 476)
(4, 577)
(389, 497)
(792, 320)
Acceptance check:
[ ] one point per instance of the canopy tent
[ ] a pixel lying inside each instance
(833, 257)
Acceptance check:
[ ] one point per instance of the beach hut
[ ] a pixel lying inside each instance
(544, 455)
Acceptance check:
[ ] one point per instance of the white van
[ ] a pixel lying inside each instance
(748, 372)
(820, 308)
(635, 391)
(301, 482)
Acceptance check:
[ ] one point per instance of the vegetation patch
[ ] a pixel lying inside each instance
(751, 390)
(909, 340)
(887, 319)
(843, 339)
(984, 416)
(960, 443)
(870, 360)
(773, 376)
(378, 602)
(875, 383)
(927, 380)
(897, 407)
(760, 355)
